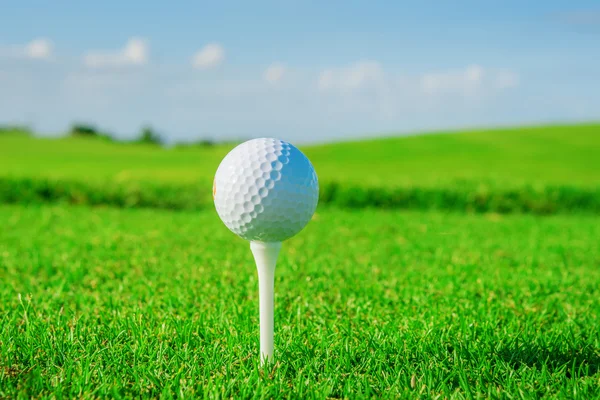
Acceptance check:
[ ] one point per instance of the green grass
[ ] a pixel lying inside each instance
(148, 303)
(460, 301)
(549, 155)
(542, 170)
(458, 197)
(505, 157)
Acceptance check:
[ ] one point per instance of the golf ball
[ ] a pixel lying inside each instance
(265, 190)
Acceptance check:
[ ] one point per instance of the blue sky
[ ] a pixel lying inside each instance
(300, 70)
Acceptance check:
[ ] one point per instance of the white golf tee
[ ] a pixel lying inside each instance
(265, 256)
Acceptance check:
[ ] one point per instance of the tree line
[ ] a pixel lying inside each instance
(147, 135)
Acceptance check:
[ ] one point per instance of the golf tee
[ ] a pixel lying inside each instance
(265, 256)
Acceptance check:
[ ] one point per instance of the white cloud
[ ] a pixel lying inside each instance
(367, 88)
(355, 98)
(210, 56)
(40, 49)
(326, 79)
(274, 73)
(474, 73)
(135, 52)
(37, 49)
(357, 75)
(466, 79)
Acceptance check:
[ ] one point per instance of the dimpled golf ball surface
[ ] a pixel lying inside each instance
(265, 190)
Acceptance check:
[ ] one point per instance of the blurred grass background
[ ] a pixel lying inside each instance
(544, 169)
(535, 155)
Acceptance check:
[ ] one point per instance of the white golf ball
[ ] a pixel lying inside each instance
(265, 190)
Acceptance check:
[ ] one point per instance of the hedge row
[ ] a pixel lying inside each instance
(464, 197)
(116, 194)
(469, 198)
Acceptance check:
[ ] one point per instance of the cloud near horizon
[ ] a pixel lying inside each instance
(40, 49)
(339, 100)
(135, 52)
(274, 73)
(371, 74)
(37, 49)
(210, 56)
(354, 76)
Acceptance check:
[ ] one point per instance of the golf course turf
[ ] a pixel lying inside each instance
(101, 299)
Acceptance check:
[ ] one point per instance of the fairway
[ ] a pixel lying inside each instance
(438, 266)
(540, 170)
(511, 157)
(125, 303)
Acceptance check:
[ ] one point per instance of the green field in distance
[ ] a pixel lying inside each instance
(547, 155)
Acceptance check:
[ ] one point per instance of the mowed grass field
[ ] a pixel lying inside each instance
(371, 301)
(547, 155)
(129, 303)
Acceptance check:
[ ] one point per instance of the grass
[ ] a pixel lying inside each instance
(458, 301)
(465, 197)
(542, 156)
(146, 303)
(542, 170)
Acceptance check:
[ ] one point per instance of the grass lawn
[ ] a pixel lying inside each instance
(547, 155)
(126, 303)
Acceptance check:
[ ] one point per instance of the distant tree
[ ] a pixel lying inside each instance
(83, 130)
(15, 129)
(206, 142)
(149, 136)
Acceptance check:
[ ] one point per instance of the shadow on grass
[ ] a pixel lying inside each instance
(576, 362)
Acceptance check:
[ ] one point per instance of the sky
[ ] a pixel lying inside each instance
(303, 71)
